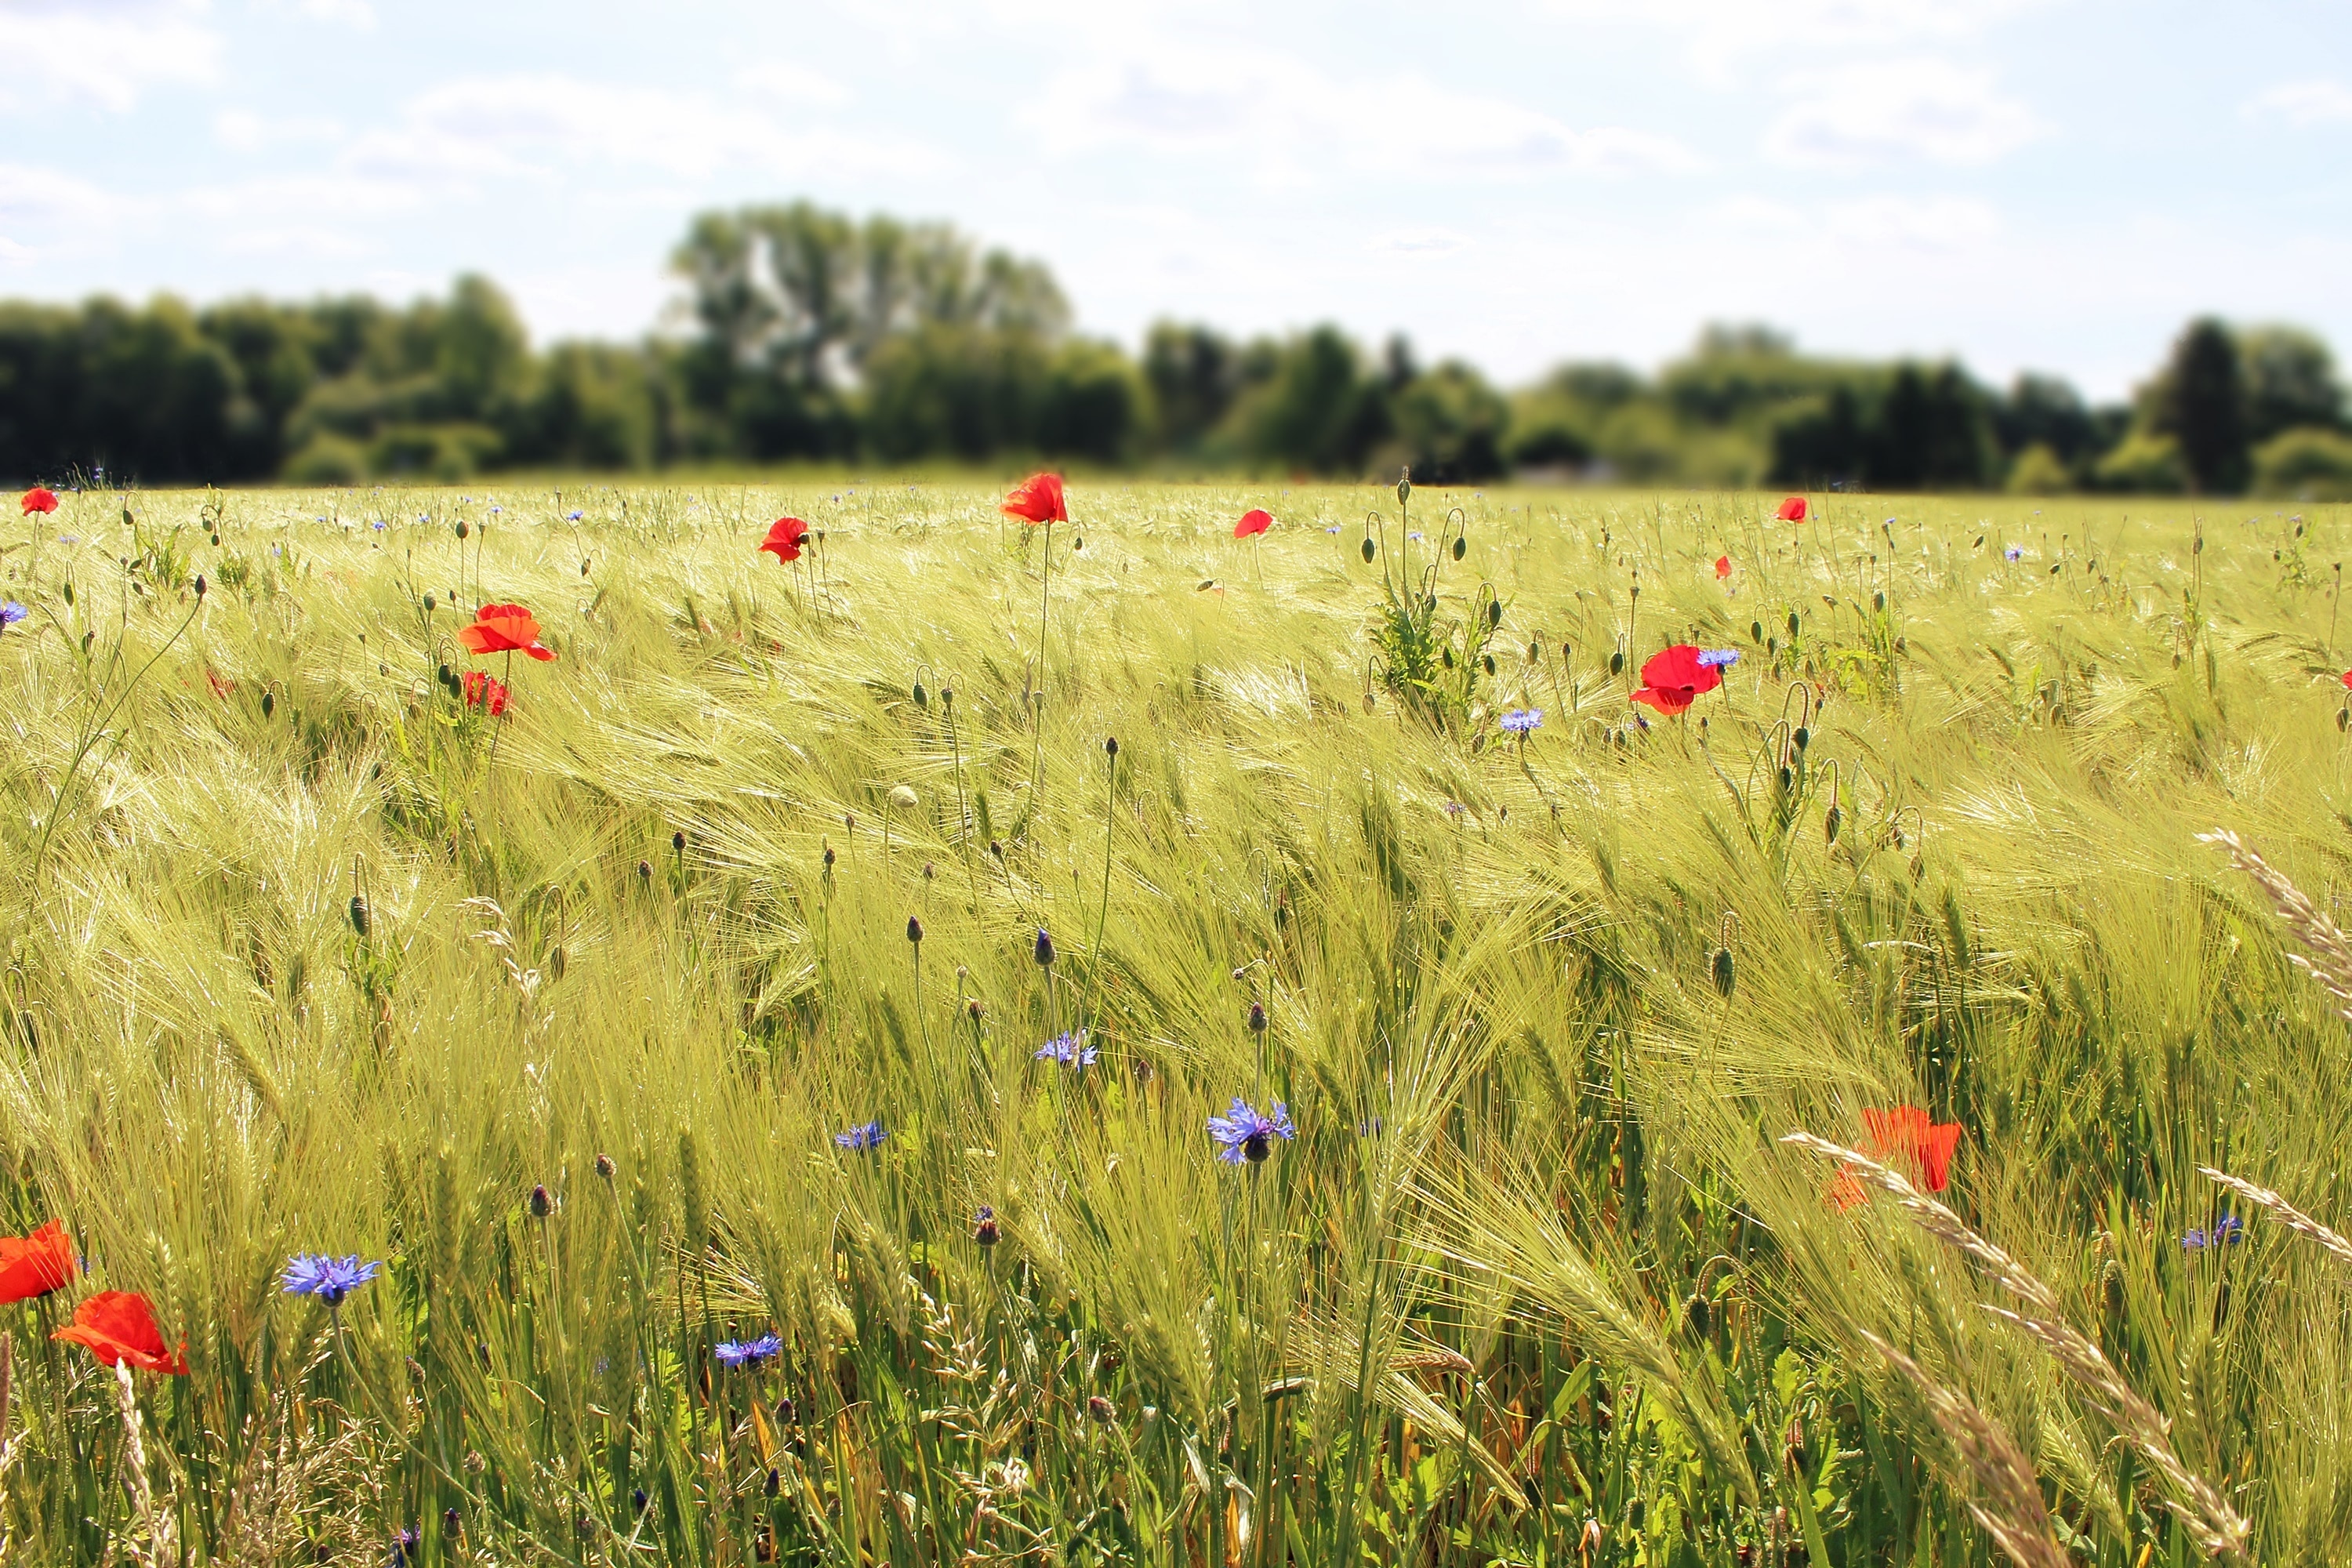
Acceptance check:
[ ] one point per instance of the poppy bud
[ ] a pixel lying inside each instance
(1756, 631)
(541, 1205)
(1878, 600)
(431, 604)
(1792, 623)
(1367, 549)
(644, 871)
(215, 539)
(605, 1166)
(1110, 746)
(849, 821)
(947, 696)
(1788, 781)
(1429, 604)
(555, 962)
(1724, 975)
(1258, 1018)
(1368, 701)
(1617, 663)
(2343, 719)
(462, 529)
(1404, 487)
(1045, 948)
(677, 841)
(1494, 612)
(1488, 661)
(1535, 652)
(1830, 824)
(359, 911)
(268, 704)
(1077, 541)
(69, 593)
(200, 585)
(584, 568)
(787, 1413)
(1803, 737)
(914, 931)
(1446, 655)
(922, 698)
(996, 848)
(1461, 547)
(828, 859)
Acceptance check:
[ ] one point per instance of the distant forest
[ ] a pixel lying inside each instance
(814, 336)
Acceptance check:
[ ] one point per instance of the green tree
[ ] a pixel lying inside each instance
(1310, 407)
(1194, 373)
(2290, 382)
(1450, 425)
(2199, 400)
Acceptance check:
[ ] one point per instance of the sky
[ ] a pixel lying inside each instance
(2053, 184)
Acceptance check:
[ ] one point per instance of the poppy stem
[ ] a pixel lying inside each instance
(1102, 916)
(1038, 698)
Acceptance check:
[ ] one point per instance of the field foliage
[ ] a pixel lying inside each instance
(307, 954)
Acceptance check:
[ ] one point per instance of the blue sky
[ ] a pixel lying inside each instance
(2052, 184)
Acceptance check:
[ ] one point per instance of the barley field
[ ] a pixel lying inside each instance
(760, 1085)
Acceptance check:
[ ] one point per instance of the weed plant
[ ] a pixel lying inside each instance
(676, 1038)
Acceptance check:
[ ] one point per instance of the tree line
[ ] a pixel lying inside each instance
(806, 335)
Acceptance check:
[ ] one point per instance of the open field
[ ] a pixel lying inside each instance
(558, 1013)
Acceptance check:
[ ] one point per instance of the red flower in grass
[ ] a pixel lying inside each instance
(486, 690)
(1253, 524)
(1038, 499)
(36, 1265)
(1677, 678)
(504, 628)
(221, 688)
(1722, 567)
(1846, 1192)
(1792, 509)
(119, 1327)
(784, 540)
(2347, 680)
(40, 500)
(1908, 1139)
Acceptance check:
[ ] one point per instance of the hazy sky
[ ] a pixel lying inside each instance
(2046, 183)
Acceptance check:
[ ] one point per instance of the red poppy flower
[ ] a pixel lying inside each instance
(40, 500)
(118, 1326)
(1907, 1135)
(504, 628)
(1722, 567)
(1038, 499)
(1846, 1192)
(486, 690)
(783, 540)
(1253, 524)
(1793, 509)
(1672, 680)
(36, 1265)
(2347, 680)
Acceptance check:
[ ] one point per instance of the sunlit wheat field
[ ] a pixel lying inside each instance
(770, 1045)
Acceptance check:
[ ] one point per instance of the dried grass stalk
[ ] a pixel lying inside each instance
(2287, 1214)
(2010, 1509)
(2217, 1527)
(2330, 957)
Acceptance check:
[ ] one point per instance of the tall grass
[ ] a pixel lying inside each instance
(305, 955)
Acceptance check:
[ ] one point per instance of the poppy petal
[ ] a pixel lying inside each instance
(1252, 523)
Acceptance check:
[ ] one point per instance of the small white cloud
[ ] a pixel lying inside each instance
(105, 54)
(1292, 119)
(242, 130)
(1914, 223)
(2315, 102)
(793, 84)
(1420, 241)
(1893, 110)
(30, 196)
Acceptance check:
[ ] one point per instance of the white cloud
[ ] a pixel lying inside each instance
(31, 197)
(103, 52)
(243, 130)
(1721, 34)
(1297, 121)
(357, 14)
(795, 84)
(1890, 110)
(2313, 102)
(1939, 224)
(1420, 241)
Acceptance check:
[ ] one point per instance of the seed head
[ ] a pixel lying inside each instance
(605, 1166)
(200, 585)
(1258, 1018)
(541, 1205)
(462, 529)
(448, 1522)
(677, 842)
(1100, 1410)
(983, 1228)
(915, 931)
(644, 871)
(1045, 948)
(828, 859)
(1110, 746)
(359, 912)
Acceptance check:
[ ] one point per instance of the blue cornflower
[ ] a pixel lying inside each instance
(328, 1278)
(1246, 1135)
(1333, 529)
(1521, 721)
(733, 1353)
(2227, 1230)
(11, 612)
(1456, 810)
(1414, 536)
(573, 516)
(2013, 553)
(1069, 1049)
(379, 525)
(1717, 657)
(861, 1138)
(69, 538)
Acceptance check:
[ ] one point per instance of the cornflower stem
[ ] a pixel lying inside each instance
(1102, 914)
